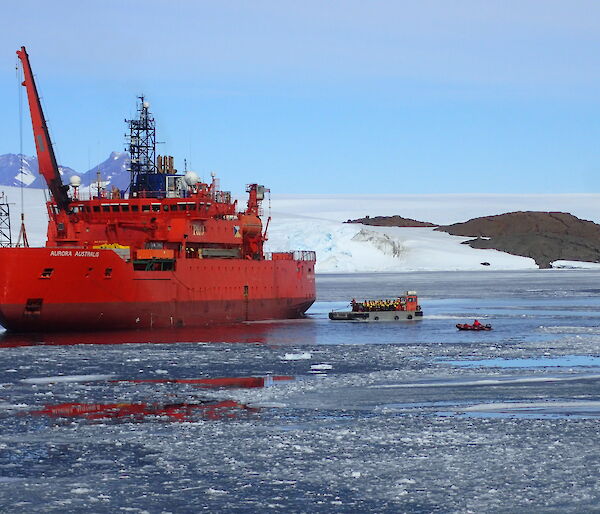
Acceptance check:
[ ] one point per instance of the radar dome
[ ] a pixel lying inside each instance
(191, 178)
(146, 104)
(75, 180)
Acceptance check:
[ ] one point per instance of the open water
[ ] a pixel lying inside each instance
(317, 415)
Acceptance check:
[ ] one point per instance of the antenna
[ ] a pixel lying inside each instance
(98, 181)
(22, 231)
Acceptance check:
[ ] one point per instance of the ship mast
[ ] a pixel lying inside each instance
(45, 153)
(142, 148)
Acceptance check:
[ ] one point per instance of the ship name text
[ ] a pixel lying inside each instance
(69, 253)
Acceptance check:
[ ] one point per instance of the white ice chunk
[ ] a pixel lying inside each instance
(67, 378)
(297, 356)
(321, 366)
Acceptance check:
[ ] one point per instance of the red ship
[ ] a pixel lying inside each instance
(169, 251)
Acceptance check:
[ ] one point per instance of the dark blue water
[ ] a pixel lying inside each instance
(314, 415)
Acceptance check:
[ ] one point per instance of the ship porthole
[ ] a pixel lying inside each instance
(410, 316)
(376, 318)
(396, 318)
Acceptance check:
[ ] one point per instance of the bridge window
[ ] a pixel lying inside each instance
(115, 208)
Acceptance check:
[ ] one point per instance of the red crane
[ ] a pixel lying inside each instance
(46, 159)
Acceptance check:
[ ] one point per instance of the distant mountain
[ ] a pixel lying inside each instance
(10, 174)
(113, 171)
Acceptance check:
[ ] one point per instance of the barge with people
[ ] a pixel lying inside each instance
(401, 308)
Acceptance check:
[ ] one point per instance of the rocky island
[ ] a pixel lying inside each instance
(391, 221)
(543, 236)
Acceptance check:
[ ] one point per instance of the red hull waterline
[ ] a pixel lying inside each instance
(49, 289)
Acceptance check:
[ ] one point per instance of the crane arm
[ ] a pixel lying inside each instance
(45, 153)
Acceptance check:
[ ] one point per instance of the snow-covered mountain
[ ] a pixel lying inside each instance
(113, 171)
(10, 171)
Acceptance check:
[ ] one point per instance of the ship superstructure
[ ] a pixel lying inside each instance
(171, 250)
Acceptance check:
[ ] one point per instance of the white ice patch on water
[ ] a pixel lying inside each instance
(544, 362)
(570, 330)
(11, 406)
(81, 490)
(67, 378)
(212, 491)
(549, 405)
(321, 367)
(297, 356)
(489, 381)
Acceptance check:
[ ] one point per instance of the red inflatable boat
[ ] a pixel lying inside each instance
(466, 326)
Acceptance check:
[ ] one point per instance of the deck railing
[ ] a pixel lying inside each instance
(296, 255)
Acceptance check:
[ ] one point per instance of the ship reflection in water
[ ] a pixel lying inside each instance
(268, 333)
(204, 409)
(142, 411)
(232, 382)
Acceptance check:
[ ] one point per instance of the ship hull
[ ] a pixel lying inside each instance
(49, 289)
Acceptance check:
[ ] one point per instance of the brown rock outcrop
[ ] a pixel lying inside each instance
(543, 236)
(391, 221)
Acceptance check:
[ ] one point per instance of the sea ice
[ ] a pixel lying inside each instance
(297, 356)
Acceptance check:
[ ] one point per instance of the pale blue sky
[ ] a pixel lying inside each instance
(332, 97)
